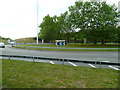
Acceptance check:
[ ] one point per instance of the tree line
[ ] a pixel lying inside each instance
(94, 21)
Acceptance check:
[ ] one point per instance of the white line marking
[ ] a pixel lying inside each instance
(113, 67)
(52, 62)
(92, 65)
(105, 61)
(72, 64)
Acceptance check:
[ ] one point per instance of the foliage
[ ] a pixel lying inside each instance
(5, 40)
(48, 30)
(96, 21)
(56, 27)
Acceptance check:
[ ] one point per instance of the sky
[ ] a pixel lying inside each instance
(18, 18)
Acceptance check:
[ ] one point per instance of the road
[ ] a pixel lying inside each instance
(111, 56)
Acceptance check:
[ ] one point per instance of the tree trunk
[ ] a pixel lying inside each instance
(85, 40)
(102, 42)
(95, 42)
(75, 40)
(67, 40)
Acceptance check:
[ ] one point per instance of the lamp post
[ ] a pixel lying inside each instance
(119, 11)
(37, 23)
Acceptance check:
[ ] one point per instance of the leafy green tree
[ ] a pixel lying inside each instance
(93, 20)
(48, 28)
(117, 35)
(97, 20)
(63, 27)
(55, 27)
(66, 29)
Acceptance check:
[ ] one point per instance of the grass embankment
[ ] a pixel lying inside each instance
(26, 40)
(22, 74)
(73, 46)
(5, 40)
(77, 50)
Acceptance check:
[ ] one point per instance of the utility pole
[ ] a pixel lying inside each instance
(37, 23)
(119, 6)
(119, 11)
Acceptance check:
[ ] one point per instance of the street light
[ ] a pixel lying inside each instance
(119, 11)
(37, 23)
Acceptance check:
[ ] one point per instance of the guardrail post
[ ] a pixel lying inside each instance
(9, 57)
(63, 61)
(33, 59)
(81, 62)
(95, 62)
(37, 58)
(59, 59)
(100, 64)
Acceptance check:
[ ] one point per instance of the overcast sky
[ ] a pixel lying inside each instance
(18, 18)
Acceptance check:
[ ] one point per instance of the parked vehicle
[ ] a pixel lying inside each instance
(2, 45)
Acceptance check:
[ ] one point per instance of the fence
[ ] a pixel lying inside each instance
(61, 59)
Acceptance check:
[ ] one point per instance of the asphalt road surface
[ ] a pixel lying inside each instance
(108, 56)
(111, 56)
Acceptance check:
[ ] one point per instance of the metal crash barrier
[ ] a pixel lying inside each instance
(60, 59)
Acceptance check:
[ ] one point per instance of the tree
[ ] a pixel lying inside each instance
(93, 20)
(48, 28)
(66, 30)
(97, 20)
(55, 27)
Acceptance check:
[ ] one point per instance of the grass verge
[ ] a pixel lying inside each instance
(77, 45)
(23, 74)
(51, 49)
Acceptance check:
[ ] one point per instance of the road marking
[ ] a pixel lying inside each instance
(105, 61)
(113, 67)
(72, 64)
(52, 62)
(92, 65)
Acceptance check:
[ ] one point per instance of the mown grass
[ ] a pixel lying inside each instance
(26, 40)
(23, 74)
(78, 45)
(0, 73)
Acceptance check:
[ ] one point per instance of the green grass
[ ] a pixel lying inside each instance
(0, 73)
(26, 40)
(51, 49)
(5, 40)
(78, 45)
(23, 74)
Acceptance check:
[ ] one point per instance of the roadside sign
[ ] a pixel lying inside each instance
(60, 42)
